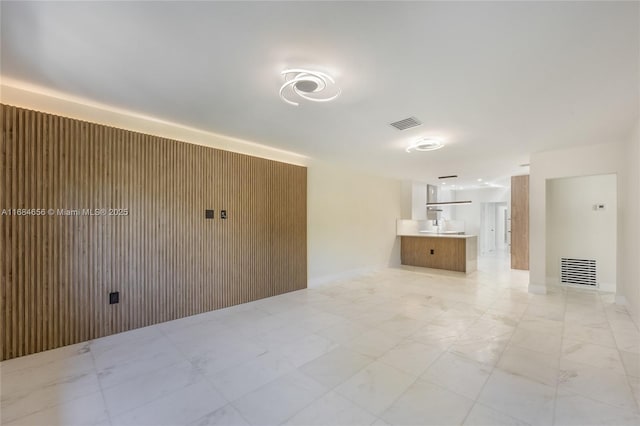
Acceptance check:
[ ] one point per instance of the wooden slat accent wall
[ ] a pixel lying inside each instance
(520, 222)
(166, 260)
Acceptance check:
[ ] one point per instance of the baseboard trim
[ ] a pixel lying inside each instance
(621, 300)
(635, 315)
(553, 281)
(536, 288)
(604, 287)
(608, 287)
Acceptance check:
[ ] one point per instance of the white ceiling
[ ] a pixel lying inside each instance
(496, 81)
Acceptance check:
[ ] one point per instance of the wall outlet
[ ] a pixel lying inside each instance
(599, 207)
(223, 214)
(114, 297)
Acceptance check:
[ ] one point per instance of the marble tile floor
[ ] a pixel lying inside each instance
(395, 347)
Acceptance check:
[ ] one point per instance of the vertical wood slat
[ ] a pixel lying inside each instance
(520, 222)
(166, 260)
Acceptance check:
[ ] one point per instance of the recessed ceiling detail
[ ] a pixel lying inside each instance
(406, 123)
(313, 86)
(426, 144)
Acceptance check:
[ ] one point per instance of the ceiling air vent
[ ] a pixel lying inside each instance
(580, 272)
(407, 123)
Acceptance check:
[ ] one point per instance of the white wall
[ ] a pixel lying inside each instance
(579, 161)
(471, 213)
(576, 230)
(445, 194)
(419, 201)
(351, 222)
(414, 200)
(406, 199)
(629, 229)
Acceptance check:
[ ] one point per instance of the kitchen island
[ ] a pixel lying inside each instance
(453, 252)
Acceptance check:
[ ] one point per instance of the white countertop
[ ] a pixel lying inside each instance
(434, 235)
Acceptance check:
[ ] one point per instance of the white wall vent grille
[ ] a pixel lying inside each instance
(580, 272)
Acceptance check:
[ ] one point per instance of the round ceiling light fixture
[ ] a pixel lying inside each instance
(313, 86)
(426, 144)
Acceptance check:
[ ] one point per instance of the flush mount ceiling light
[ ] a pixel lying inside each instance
(313, 86)
(426, 144)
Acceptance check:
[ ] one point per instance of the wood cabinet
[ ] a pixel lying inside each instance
(451, 254)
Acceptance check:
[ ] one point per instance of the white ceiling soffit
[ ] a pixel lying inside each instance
(495, 81)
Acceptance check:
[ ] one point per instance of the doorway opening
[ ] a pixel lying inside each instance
(494, 229)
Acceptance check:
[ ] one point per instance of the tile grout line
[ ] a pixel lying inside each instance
(301, 372)
(494, 367)
(624, 368)
(231, 403)
(374, 359)
(104, 399)
(560, 352)
(163, 335)
(328, 390)
(597, 344)
(637, 412)
(138, 376)
(418, 377)
(203, 377)
(39, 410)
